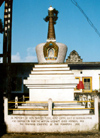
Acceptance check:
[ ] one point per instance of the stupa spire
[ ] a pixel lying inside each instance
(52, 17)
(51, 51)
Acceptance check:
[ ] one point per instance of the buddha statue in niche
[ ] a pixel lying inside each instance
(51, 52)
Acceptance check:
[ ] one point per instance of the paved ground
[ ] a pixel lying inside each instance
(80, 135)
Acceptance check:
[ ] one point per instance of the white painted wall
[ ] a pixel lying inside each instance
(89, 73)
(54, 94)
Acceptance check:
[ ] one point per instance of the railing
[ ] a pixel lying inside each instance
(48, 105)
(42, 102)
(30, 103)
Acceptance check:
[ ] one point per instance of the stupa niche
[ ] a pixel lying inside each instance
(51, 51)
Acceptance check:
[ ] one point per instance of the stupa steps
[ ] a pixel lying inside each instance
(43, 107)
(54, 86)
(45, 112)
(50, 77)
(51, 65)
(55, 103)
(48, 80)
(51, 69)
(51, 81)
(72, 112)
(52, 72)
(32, 104)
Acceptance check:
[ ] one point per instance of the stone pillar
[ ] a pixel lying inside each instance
(16, 102)
(50, 107)
(5, 108)
(96, 106)
(88, 99)
(96, 112)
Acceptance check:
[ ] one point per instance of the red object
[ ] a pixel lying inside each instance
(80, 85)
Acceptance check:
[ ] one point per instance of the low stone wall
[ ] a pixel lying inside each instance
(50, 123)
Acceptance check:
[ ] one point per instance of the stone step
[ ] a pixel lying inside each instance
(72, 104)
(51, 81)
(45, 69)
(72, 112)
(51, 65)
(68, 104)
(26, 112)
(52, 72)
(72, 86)
(42, 107)
(23, 107)
(69, 107)
(51, 76)
(54, 104)
(55, 112)
(35, 104)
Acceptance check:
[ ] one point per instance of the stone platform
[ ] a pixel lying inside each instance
(57, 108)
(20, 123)
(55, 81)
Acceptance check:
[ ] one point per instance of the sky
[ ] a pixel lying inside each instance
(29, 29)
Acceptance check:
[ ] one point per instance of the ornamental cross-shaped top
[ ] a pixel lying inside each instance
(52, 18)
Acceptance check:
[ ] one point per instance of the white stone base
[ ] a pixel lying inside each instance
(57, 124)
(54, 94)
(55, 81)
(66, 112)
(51, 123)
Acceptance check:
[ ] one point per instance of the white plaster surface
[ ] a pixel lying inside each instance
(51, 65)
(37, 124)
(55, 84)
(63, 112)
(54, 94)
(62, 123)
(89, 73)
(45, 68)
(61, 53)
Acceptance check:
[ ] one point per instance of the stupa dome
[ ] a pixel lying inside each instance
(51, 55)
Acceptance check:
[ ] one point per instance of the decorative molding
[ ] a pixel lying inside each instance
(53, 47)
(74, 57)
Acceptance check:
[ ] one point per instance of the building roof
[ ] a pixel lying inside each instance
(84, 65)
(76, 66)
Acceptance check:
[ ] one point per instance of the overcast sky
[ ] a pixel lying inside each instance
(29, 29)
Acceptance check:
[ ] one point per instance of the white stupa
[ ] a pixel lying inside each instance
(53, 78)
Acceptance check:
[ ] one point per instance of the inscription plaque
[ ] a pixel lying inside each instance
(49, 121)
